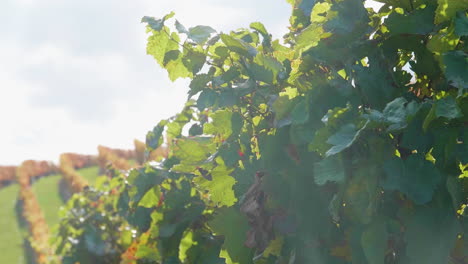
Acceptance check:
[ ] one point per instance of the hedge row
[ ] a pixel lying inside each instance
(7, 174)
(32, 169)
(73, 180)
(140, 149)
(32, 213)
(80, 161)
(117, 157)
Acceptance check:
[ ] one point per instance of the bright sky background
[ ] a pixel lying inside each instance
(75, 74)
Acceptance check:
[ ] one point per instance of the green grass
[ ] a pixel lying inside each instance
(90, 174)
(10, 233)
(48, 196)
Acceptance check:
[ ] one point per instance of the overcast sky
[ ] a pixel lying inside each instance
(75, 74)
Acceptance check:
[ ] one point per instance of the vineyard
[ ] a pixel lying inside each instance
(344, 142)
(42, 188)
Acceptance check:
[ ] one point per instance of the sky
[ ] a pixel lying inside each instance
(75, 74)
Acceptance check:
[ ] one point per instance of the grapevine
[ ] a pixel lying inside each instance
(346, 142)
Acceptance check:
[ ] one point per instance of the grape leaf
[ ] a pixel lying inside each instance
(374, 242)
(219, 187)
(447, 107)
(156, 24)
(343, 139)
(456, 63)
(200, 34)
(416, 177)
(419, 22)
(447, 9)
(329, 170)
(430, 228)
(229, 223)
(461, 24)
(154, 138)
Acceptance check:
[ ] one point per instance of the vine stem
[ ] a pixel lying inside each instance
(411, 4)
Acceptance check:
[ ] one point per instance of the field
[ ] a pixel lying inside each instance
(10, 232)
(90, 174)
(48, 195)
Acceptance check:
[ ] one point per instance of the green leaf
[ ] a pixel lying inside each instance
(238, 46)
(430, 228)
(213, 40)
(361, 193)
(269, 63)
(141, 181)
(420, 21)
(159, 44)
(170, 15)
(447, 107)
(151, 198)
(195, 130)
(309, 37)
(300, 112)
(461, 24)
(431, 116)
(375, 83)
(229, 152)
(329, 170)
(306, 6)
(194, 61)
(282, 107)
(455, 188)
(154, 24)
(177, 69)
(374, 242)
(416, 177)
(231, 224)
(260, 73)
(414, 136)
(348, 18)
(343, 139)
(164, 47)
(319, 13)
(227, 98)
(180, 28)
(224, 124)
(171, 55)
(226, 77)
(146, 251)
(200, 34)
(193, 150)
(456, 63)
(198, 83)
(260, 28)
(447, 9)
(219, 188)
(174, 129)
(445, 40)
(300, 16)
(206, 99)
(154, 138)
(398, 111)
